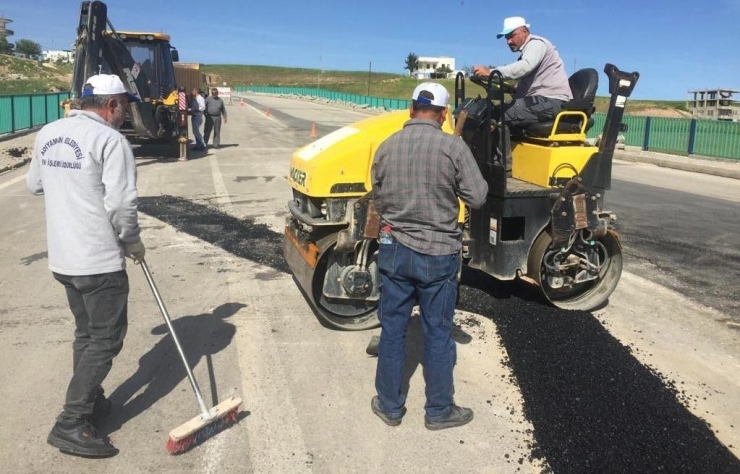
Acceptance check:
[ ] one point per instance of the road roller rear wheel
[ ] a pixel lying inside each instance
(585, 295)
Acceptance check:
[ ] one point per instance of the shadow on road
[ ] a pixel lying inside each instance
(161, 369)
(593, 405)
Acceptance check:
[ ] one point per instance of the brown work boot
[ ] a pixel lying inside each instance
(387, 419)
(457, 416)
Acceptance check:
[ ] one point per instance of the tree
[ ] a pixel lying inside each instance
(27, 48)
(442, 71)
(5, 47)
(412, 63)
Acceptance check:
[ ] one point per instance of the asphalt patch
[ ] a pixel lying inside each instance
(17, 152)
(593, 405)
(241, 237)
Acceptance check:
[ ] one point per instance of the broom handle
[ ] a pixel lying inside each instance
(205, 413)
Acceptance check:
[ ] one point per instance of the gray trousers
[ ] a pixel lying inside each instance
(528, 110)
(99, 304)
(213, 123)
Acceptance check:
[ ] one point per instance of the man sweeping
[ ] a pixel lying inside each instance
(86, 171)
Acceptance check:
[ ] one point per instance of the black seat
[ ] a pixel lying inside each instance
(583, 85)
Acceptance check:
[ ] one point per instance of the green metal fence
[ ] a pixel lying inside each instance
(667, 135)
(379, 102)
(676, 136)
(21, 112)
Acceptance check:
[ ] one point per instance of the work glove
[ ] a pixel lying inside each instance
(134, 250)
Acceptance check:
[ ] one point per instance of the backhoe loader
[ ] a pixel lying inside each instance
(144, 62)
(544, 221)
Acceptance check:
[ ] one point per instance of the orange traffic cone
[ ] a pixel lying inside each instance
(313, 131)
(241, 102)
(267, 113)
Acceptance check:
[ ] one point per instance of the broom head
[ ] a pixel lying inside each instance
(197, 430)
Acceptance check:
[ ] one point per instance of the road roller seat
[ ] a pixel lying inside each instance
(575, 113)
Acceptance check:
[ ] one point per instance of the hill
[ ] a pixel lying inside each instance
(24, 76)
(390, 85)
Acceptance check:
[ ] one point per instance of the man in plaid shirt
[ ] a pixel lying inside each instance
(418, 175)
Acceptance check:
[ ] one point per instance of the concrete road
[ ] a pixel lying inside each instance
(631, 388)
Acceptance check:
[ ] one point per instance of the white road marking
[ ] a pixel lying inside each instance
(12, 181)
(275, 439)
(264, 114)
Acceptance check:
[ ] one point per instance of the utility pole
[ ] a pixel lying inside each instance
(369, 73)
(575, 62)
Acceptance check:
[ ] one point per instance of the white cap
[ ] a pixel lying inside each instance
(440, 96)
(511, 24)
(106, 84)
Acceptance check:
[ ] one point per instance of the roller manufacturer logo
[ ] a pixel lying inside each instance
(298, 176)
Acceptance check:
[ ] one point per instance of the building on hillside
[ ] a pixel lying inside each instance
(714, 104)
(4, 31)
(66, 56)
(428, 65)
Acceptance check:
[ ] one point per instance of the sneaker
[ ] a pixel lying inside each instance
(388, 420)
(102, 407)
(457, 416)
(80, 439)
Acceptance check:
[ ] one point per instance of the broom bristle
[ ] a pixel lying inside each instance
(213, 428)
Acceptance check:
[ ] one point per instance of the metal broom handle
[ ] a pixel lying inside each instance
(206, 414)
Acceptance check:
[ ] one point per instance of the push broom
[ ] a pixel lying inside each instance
(210, 421)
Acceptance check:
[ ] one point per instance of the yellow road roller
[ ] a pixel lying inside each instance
(544, 221)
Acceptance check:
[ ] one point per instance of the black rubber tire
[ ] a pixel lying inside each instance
(586, 296)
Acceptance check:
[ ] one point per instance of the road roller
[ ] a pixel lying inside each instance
(544, 222)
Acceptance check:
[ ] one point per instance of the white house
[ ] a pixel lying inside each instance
(429, 64)
(53, 56)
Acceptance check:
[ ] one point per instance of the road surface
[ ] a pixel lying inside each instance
(647, 384)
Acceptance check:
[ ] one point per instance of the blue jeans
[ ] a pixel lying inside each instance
(197, 121)
(406, 277)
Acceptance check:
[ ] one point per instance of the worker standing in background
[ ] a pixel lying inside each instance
(418, 174)
(215, 108)
(197, 108)
(86, 171)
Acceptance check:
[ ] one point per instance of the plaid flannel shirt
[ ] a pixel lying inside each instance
(417, 175)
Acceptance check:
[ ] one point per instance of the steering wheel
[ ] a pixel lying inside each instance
(483, 82)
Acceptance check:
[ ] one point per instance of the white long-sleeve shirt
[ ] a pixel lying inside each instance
(86, 171)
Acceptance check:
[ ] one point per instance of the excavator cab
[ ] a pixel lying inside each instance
(154, 54)
(144, 62)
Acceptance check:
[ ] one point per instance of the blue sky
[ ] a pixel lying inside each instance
(676, 45)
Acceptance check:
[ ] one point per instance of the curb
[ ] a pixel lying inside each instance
(677, 165)
(20, 133)
(23, 162)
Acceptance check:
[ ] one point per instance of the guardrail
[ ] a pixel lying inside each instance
(21, 112)
(677, 136)
(379, 102)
